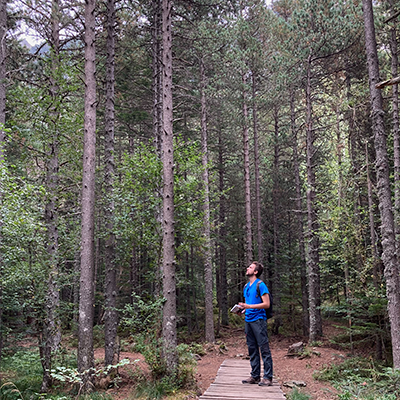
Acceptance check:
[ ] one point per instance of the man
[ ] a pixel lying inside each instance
(256, 302)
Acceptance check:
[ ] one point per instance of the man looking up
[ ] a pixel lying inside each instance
(256, 302)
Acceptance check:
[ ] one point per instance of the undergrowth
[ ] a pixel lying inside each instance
(295, 394)
(22, 377)
(362, 379)
(160, 386)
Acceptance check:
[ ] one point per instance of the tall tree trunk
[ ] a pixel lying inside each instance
(86, 290)
(313, 226)
(396, 133)
(257, 173)
(389, 256)
(300, 221)
(133, 273)
(157, 81)
(110, 316)
(51, 335)
(3, 31)
(374, 249)
(275, 200)
(188, 293)
(157, 72)
(249, 244)
(222, 234)
(208, 277)
(168, 262)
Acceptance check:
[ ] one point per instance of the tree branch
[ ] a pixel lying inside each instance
(389, 82)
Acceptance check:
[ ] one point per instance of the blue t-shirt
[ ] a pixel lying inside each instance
(251, 297)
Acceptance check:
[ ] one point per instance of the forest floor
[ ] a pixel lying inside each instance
(232, 344)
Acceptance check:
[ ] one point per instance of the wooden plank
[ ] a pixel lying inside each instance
(249, 394)
(228, 384)
(244, 396)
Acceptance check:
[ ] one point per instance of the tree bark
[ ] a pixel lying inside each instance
(374, 249)
(157, 73)
(208, 276)
(223, 296)
(168, 262)
(3, 31)
(395, 127)
(246, 157)
(313, 226)
(276, 208)
(51, 335)
(110, 316)
(300, 221)
(389, 256)
(257, 174)
(157, 82)
(86, 292)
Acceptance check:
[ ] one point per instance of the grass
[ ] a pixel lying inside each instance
(362, 379)
(295, 394)
(22, 377)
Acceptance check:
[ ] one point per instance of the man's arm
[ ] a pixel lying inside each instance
(264, 305)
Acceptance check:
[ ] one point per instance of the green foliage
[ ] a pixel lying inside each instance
(72, 376)
(163, 385)
(187, 366)
(150, 347)
(367, 313)
(360, 378)
(143, 320)
(142, 316)
(23, 375)
(295, 394)
(154, 390)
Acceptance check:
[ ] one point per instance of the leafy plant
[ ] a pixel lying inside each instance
(295, 394)
(23, 372)
(72, 376)
(141, 315)
(186, 367)
(360, 378)
(166, 385)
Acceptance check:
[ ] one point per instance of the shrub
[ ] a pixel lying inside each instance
(364, 379)
(295, 394)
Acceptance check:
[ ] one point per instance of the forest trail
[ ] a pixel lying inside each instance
(232, 345)
(228, 384)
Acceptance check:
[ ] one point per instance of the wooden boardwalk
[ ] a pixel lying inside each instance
(228, 384)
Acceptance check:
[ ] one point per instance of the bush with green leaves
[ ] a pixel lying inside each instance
(141, 316)
(164, 385)
(295, 394)
(364, 379)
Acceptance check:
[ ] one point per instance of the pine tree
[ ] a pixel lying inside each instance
(86, 292)
(389, 255)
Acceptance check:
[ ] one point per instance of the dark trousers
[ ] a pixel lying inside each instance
(257, 341)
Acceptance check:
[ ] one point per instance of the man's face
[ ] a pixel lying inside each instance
(251, 270)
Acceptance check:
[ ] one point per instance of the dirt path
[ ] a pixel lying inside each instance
(285, 368)
(232, 344)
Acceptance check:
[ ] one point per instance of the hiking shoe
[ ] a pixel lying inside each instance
(251, 380)
(265, 382)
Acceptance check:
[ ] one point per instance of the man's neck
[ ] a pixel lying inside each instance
(252, 279)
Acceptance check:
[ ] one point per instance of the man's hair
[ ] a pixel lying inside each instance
(259, 268)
